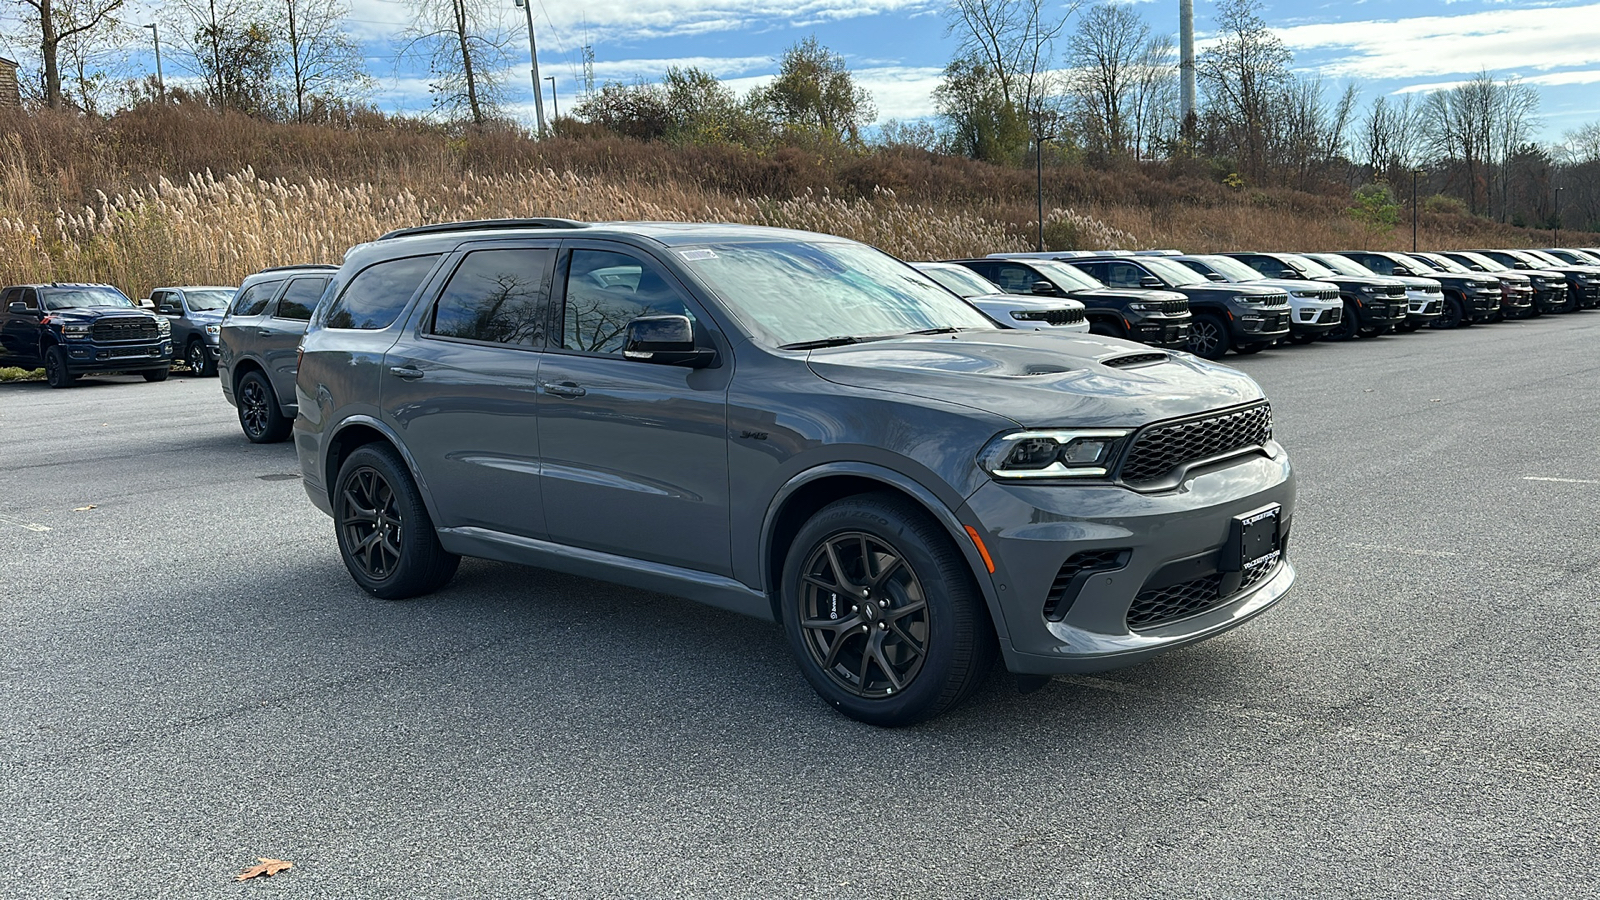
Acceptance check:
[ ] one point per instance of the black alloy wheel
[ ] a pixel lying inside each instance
(386, 536)
(56, 371)
(259, 416)
(1450, 315)
(882, 612)
(1208, 336)
(157, 374)
(199, 360)
(1349, 324)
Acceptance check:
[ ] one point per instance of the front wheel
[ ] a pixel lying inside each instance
(1450, 315)
(1107, 329)
(882, 613)
(386, 536)
(259, 416)
(56, 371)
(199, 360)
(156, 374)
(1208, 336)
(1349, 325)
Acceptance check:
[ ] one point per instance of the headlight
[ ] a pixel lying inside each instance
(163, 326)
(213, 330)
(1053, 453)
(74, 330)
(1309, 295)
(1371, 289)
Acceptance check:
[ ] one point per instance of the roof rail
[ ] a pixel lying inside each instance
(483, 224)
(301, 266)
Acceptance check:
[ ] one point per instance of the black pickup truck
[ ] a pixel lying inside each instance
(81, 329)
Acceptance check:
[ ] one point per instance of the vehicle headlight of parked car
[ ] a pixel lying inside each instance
(75, 330)
(1053, 453)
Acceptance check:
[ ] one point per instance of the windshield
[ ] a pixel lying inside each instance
(207, 300)
(1483, 262)
(1441, 263)
(1176, 274)
(961, 280)
(1545, 258)
(1307, 266)
(1230, 268)
(1344, 266)
(83, 297)
(1588, 259)
(793, 292)
(1067, 276)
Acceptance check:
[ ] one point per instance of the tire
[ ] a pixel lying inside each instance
(199, 360)
(1406, 327)
(1107, 329)
(157, 374)
(259, 416)
(1451, 314)
(873, 586)
(385, 534)
(56, 371)
(1349, 324)
(1208, 336)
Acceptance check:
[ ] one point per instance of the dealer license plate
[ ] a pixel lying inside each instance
(1258, 538)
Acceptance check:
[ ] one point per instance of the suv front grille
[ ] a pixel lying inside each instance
(1076, 564)
(126, 328)
(1068, 316)
(1161, 450)
(1165, 605)
(1174, 307)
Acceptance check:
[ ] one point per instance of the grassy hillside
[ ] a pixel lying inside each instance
(160, 196)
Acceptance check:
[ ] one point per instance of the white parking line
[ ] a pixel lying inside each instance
(27, 526)
(1560, 480)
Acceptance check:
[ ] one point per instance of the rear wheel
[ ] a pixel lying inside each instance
(259, 416)
(56, 372)
(385, 533)
(1208, 336)
(882, 612)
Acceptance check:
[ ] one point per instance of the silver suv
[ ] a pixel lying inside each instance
(259, 341)
(793, 426)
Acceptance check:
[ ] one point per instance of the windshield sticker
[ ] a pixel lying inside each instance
(697, 254)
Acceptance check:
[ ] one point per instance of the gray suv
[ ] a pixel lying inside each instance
(792, 426)
(260, 337)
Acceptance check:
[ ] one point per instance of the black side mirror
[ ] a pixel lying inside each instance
(1044, 288)
(1213, 276)
(665, 341)
(1150, 281)
(19, 308)
(170, 310)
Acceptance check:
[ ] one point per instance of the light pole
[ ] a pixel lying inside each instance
(1413, 210)
(161, 83)
(533, 54)
(1557, 241)
(555, 105)
(1038, 175)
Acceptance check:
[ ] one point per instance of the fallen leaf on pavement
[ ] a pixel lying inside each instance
(268, 867)
(82, 508)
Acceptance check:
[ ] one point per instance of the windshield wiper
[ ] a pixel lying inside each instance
(944, 330)
(835, 341)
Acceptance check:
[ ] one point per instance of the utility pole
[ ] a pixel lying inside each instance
(161, 82)
(533, 54)
(555, 105)
(1186, 66)
(1038, 174)
(1413, 210)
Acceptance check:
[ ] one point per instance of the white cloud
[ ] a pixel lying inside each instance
(901, 92)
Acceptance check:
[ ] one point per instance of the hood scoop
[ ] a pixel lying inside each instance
(1135, 359)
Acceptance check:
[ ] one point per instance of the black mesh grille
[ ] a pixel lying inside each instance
(1162, 606)
(1051, 316)
(1159, 450)
(1396, 290)
(1084, 561)
(126, 328)
(1135, 359)
(1174, 306)
(1329, 316)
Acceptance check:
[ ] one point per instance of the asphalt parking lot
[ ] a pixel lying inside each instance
(192, 681)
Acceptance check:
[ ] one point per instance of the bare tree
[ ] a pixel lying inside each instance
(1389, 138)
(1105, 55)
(1014, 42)
(1513, 117)
(1244, 74)
(324, 63)
(1460, 126)
(231, 46)
(1581, 145)
(55, 22)
(465, 43)
(1155, 96)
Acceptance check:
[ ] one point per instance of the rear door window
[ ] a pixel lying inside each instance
(497, 297)
(300, 299)
(253, 300)
(374, 298)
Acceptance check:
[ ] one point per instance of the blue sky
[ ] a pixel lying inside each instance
(897, 48)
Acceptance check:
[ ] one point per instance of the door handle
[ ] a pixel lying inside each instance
(564, 389)
(409, 373)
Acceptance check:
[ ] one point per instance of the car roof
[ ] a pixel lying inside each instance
(195, 287)
(665, 233)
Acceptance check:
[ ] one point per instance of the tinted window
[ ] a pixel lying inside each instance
(253, 300)
(301, 298)
(1015, 279)
(497, 296)
(374, 298)
(1379, 264)
(1120, 274)
(607, 290)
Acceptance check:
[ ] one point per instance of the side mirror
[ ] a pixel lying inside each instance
(19, 308)
(665, 341)
(169, 309)
(1044, 288)
(1150, 281)
(1213, 276)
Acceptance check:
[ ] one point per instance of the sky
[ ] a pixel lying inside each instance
(897, 48)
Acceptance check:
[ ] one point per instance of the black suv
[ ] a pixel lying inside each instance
(81, 329)
(1516, 290)
(1553, 288)
(789, 425)
(1468, 298)
(1245, 318)
(259, 346)
(1372, 306)
(195, 314)
(1157, 318)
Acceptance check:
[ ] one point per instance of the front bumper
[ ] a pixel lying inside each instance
(1382, 312)
(1166, 332)
(1161, 541)
(1315, 320)
(1253, 325)
(85, 357)
(1424, 307)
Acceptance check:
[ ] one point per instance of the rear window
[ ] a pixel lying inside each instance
(373, 299)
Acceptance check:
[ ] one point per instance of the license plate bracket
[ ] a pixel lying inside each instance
(1253, 538)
